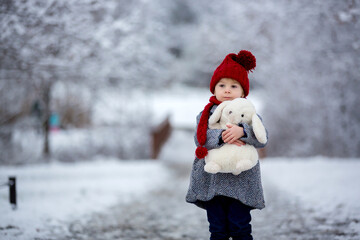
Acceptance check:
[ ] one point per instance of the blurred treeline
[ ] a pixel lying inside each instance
(65, 56)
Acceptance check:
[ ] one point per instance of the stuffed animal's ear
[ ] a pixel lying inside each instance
(259, 129)
(215, 117)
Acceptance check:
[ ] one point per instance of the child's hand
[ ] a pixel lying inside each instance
(232, 134)
(239, 143)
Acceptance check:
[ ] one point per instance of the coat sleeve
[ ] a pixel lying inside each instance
(249, 136)
(213, 136)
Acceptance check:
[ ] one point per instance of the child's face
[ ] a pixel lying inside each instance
(228, 89)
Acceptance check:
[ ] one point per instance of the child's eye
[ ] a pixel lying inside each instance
(222, 85)
(234, 86)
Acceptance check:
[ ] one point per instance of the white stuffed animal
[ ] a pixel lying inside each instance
(231, 158)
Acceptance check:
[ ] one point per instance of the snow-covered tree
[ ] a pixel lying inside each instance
(307, 60)
(88, 44)
(308, 57)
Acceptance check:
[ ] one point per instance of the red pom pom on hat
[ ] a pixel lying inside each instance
(246, 59)
(201, 152)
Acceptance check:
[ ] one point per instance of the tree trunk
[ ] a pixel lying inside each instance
(46, 100)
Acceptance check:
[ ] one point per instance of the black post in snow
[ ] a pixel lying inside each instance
(12, 192)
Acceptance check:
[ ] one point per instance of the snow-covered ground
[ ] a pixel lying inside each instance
(54, 194)
(327, 187)
(321, 194)
(51, 196)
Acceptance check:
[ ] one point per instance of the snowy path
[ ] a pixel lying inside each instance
(285, 218)
(52, 195)
(163, 213)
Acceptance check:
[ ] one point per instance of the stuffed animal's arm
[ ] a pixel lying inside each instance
(212, 137)
(250, 138)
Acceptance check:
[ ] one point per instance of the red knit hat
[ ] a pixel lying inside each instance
(235, 67)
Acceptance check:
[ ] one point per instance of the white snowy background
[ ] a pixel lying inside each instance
(114, 70)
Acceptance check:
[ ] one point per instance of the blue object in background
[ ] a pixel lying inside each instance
(54, 122)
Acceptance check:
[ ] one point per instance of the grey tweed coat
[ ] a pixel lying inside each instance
(245, 187)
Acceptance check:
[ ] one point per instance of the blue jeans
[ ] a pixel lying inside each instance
(227, 218)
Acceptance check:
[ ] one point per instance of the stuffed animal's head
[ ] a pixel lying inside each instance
(239, 110)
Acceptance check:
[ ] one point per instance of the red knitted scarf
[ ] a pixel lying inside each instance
(201, 151)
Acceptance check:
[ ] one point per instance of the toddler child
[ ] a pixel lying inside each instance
(227, 198)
